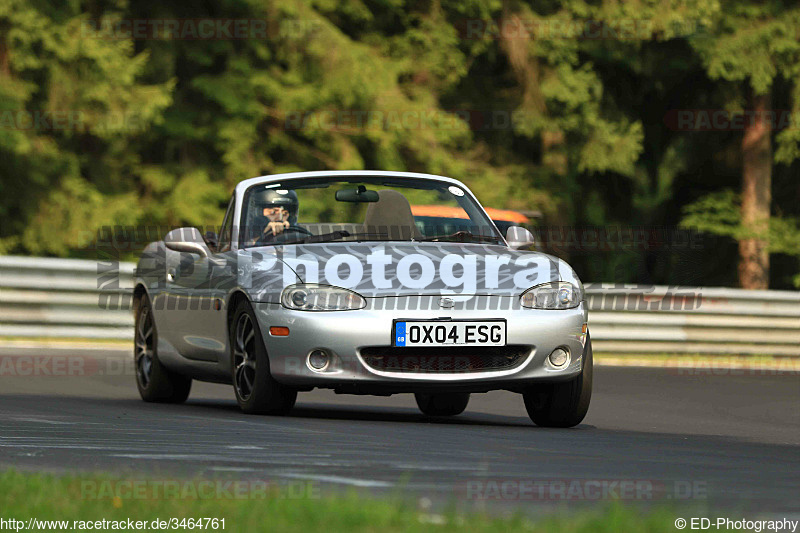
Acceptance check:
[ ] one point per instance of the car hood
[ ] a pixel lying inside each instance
(402, 269)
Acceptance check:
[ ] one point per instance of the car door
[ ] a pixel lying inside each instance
(198, 286)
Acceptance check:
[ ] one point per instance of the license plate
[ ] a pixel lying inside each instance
(450, 333)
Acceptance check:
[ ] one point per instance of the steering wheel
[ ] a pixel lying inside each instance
(298, 229)
(279, 237)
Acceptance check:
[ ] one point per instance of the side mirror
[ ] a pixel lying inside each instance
(519, 237)
(187, 240)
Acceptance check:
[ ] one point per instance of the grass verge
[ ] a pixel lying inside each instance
(91, 498)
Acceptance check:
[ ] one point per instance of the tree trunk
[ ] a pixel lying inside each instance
(5, 67)
(756, 196)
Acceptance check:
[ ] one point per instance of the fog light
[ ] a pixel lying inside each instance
(559, 357)
(318, 359)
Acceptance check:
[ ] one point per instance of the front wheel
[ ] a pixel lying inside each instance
(449, 404)
(563, 404)
(256, 391)
(155, 382)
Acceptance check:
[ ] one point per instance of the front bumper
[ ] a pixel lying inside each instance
(344, 334)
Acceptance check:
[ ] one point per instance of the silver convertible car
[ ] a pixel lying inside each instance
(327, 279)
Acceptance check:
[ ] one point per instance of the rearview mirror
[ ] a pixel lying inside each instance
(187, 240)
(519, 237)
(361, 194)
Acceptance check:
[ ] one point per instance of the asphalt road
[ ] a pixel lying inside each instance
(707, 439)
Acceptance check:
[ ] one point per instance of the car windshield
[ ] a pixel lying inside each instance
(361, 209)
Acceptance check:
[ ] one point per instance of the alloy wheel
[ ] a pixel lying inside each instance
(244, 357)
(144, 347)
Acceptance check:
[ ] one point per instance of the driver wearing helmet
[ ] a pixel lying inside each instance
(276, 211)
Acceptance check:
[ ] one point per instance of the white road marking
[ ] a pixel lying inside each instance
(232, 469)
(368, 483)
(40, 421)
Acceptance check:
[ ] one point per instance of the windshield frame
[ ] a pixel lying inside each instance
(470, 202)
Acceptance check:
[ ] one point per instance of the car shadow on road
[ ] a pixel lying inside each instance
(379, 414)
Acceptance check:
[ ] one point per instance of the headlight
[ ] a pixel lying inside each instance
(556, 295)
(311, 297)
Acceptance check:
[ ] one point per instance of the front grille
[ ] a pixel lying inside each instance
(448, 359)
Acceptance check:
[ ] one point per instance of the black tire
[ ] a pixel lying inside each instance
(563, 404)
(256, 391)
(155, 382)
(446, 404)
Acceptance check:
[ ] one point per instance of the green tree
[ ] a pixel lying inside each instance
(71, 110)
(750, 46)
(552, 106)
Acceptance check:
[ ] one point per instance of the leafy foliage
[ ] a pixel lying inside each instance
(558, 107)
(719, 214)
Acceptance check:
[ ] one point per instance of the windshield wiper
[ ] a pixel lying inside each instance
(332, 236)
(462, 236)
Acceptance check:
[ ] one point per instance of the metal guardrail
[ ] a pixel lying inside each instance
(42, 297)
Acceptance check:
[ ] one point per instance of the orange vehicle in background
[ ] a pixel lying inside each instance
(447, 218)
